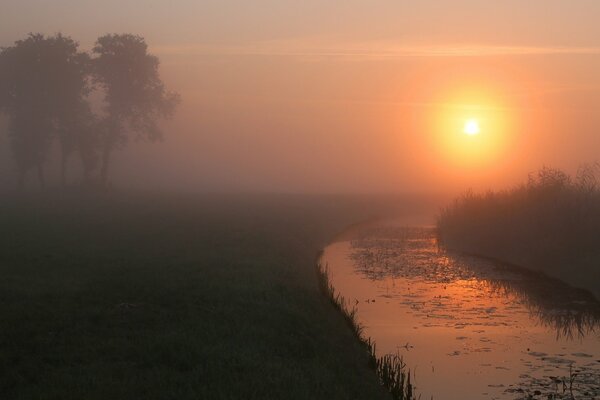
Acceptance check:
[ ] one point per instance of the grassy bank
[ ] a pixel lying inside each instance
(196, 297)
(549, 224)
(391, 369)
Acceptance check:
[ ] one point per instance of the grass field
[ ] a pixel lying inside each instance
(175, 298)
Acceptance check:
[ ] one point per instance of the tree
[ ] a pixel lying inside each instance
(135, 96)
(43, 84)
(79, 131)
(71, 112)
(87, 143)
(24, 97)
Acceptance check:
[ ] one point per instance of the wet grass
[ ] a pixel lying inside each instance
(196, 297)
(390, 368)
(549, 224)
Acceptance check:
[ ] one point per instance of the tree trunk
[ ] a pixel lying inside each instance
(105, 162)
(63, 168)
(40, 171)
(20, 179)
(86, 173)
(85, 166)
(110, 140)
(86, 157)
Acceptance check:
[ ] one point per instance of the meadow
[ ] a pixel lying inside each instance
(549, 224)
(178, 297)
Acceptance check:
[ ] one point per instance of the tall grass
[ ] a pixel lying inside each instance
(551, 223)
(390, 368)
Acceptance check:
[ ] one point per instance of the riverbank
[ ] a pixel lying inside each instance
(207, 297)
(549, 225)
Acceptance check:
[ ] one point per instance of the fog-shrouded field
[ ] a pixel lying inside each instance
(179, 297)
(170, 173)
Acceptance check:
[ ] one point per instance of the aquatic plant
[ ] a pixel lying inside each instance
(390, 368)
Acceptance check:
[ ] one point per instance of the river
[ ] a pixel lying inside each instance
(467, 327)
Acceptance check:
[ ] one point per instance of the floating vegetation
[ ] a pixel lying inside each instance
(527, 335)
(413, 253)
(390, 368)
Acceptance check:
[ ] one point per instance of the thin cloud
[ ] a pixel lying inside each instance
(367, 50)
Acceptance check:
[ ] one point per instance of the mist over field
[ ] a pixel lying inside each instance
(277, 199)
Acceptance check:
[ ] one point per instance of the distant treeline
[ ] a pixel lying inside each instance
(46, 83)
(551, 224)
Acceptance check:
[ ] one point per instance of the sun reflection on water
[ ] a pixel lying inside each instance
(466, 316)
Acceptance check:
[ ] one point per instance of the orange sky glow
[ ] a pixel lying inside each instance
(351, 97)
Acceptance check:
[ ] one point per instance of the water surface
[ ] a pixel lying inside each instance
(468, 328)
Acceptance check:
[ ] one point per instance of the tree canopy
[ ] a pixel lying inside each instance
(45, 87)
(134, 93)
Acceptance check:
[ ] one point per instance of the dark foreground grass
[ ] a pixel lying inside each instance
(189, 298)
(550, 224)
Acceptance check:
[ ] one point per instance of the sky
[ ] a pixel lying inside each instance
(350, 96)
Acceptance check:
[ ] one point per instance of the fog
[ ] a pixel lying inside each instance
(294, 199)
(343, 97)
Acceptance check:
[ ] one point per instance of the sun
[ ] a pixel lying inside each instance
(471, 127)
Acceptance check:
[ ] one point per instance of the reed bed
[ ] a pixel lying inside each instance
(390, 368)
(549, 224)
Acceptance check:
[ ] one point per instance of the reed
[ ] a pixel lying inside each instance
(549, 224)
(390, 368)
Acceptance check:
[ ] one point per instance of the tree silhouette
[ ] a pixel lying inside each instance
(42, 90)
(71, 112)
(135, 96)
(24, 97)
(79, 131)
(45, 82)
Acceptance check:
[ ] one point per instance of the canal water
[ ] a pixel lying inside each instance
(467, 327)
